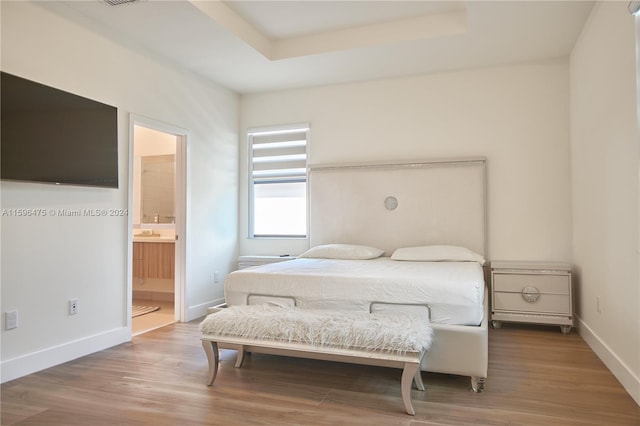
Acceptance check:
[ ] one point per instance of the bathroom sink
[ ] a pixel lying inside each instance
(148, 237)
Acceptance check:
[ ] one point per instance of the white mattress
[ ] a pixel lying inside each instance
(454, 291)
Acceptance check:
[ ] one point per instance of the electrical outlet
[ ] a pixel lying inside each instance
(216, 277)
(598, 309)
(10, 320)
(73, 306)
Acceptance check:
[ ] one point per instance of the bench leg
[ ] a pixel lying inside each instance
(240, 356)
(213, 357)
(418, 377)
(418, 380)
(408, 376)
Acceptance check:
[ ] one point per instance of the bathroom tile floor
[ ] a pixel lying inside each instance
(153, 320)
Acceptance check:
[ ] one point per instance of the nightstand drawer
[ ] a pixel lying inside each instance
(545, 303)
(546, 284)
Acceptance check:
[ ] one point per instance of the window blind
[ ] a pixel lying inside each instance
(279, 156)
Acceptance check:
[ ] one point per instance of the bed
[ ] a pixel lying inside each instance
(452, 292)
(404, 211)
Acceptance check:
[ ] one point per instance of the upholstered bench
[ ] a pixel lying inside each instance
(382, 339)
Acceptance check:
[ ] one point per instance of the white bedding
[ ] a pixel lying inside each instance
(453, 290)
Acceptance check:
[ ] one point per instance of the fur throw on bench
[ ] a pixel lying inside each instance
(392, 332)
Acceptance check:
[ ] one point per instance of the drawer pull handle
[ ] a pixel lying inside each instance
(530, 294)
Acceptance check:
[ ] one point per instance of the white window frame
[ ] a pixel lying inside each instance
(275, 130)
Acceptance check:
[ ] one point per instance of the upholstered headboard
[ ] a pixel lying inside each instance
(403, 204)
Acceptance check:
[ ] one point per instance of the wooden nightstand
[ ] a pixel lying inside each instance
(248, 261)
(531, 292)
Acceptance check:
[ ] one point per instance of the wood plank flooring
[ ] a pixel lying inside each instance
(537, 376)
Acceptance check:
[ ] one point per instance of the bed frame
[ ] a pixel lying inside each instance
(404, 204)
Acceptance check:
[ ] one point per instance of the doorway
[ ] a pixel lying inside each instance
(156, 215)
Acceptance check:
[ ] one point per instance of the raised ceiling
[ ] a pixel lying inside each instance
(255, 46)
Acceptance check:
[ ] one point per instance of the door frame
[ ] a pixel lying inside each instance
(182, 136)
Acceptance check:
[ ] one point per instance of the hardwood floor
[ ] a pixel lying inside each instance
(537, 376)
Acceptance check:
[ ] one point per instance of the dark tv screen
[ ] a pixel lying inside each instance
(49, 135)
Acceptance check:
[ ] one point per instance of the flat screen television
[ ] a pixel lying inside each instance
(49, 135)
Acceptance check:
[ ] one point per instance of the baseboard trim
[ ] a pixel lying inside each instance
(36, 361)
(620, 370)
(197, 311)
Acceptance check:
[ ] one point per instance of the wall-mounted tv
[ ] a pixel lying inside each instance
(49, 135)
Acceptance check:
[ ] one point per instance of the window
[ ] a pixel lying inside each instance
(278, 181)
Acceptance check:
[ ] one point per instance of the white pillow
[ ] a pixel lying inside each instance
(437, 254)
(343, 251)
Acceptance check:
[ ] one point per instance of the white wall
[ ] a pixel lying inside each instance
(517, 116)
(48, 260)
(604, 154)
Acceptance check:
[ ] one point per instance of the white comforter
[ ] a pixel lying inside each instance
(453, 290)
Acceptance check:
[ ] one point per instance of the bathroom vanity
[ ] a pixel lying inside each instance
(153, 257)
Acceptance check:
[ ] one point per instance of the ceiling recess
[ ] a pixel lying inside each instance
(118, 2)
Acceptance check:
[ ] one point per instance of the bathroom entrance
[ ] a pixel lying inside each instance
(156, 211)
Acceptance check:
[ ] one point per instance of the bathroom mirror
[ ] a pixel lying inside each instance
(157, 190)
